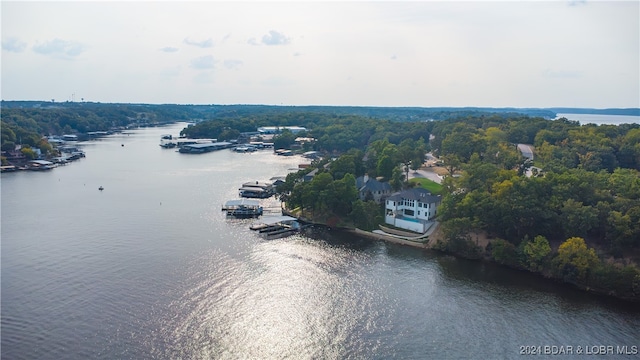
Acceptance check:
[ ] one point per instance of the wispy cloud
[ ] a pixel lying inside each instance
(60, 48)
(203, 62)
(13, 44)
(275, 38)
(232, 63)
(253, 41)
(203, 44)
(169, 49)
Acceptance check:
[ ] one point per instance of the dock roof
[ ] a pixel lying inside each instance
(208, 145)
(270, 220)
(41, 162)
(242, 202)
(253, 188)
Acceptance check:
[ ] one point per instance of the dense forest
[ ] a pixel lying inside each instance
(571, 213)
(577, 218)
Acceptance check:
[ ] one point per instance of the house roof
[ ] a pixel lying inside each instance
(419, 194)
(371, 185)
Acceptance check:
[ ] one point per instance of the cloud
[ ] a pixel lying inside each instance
(13, 44)
(203, 44)
(275, 38)
(232, 64)
(60, 48)
(577, 2)
(252, 41)
(297, 54)
(204, 62)
(394, 57)
(169, 49)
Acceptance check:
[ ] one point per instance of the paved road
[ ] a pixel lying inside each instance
(526, 150)
(425, 174)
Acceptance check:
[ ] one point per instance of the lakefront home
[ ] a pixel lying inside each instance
(412, 209)
(372, 188)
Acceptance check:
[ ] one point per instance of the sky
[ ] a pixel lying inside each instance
(363, 53)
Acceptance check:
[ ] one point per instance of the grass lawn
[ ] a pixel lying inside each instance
(430, 185)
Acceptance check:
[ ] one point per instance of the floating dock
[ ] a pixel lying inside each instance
(242, 208)
(275, 227)
(257, 189)
(204, 148)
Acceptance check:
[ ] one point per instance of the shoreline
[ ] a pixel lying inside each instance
(429, 245)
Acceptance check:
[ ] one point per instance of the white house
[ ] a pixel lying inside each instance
(412, 209)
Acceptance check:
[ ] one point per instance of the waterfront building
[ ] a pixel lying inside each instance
(372, 188)
(279, 129)
(413, 209)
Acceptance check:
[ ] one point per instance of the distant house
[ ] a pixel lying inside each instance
(411, 209)
(309, 176)
(278, 129)
(372, 188)
(278, 180)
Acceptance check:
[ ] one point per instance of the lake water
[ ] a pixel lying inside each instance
(150, 268)
(601, 119)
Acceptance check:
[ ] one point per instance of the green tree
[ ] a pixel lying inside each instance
(366, 215)
(28, 152)
(576, 218)
(575, 260)
(397, 179)
(504, 252)
(343, 165)
(284, 140)
(537, 252)
(385, 166)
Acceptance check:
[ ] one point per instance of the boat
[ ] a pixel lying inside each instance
(276, 227)
(8, 168)
(242, 208)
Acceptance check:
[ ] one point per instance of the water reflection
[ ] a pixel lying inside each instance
(295, 298)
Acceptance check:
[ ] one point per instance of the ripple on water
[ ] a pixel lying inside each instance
(292, 297)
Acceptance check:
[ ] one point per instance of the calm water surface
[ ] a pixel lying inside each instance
(601, 119)
(150, 268)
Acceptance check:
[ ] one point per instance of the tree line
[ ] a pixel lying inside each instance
(577, 218)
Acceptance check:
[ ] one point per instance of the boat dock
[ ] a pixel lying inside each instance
(242, 208)
(257, 189)
(275, 227)
(204, 148)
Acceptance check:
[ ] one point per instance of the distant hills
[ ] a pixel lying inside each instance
(390, 113)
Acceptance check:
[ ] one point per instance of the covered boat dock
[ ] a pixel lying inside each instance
(203, 148)
(242, 208)
(274, 227)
